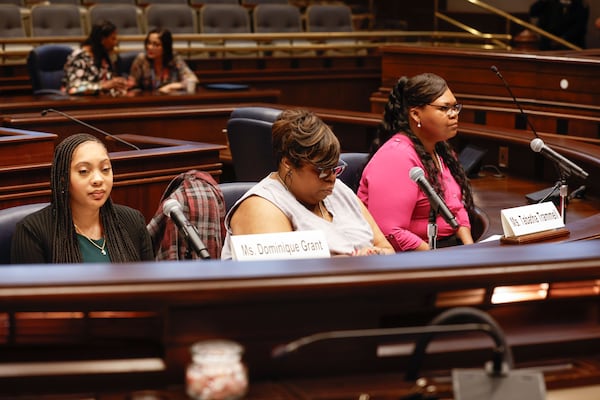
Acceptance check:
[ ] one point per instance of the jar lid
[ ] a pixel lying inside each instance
(216, 349)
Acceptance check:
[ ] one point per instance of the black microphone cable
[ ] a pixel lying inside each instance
(118, 139)
(497, 72)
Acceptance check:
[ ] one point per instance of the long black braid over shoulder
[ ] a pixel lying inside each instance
(65, 248)
(418, 91)
(99, 32)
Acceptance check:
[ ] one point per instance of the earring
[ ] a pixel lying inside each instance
(419, 124)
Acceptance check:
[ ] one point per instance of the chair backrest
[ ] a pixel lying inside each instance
(125, 60)
(177, 18)
(224, 18)
(45, 64)
(232, 191)
(249, 135)
(353, 172)
(274, 18)
(202, 2)
(91, 2)
(56, 20)
(257, 2)
(9, 217)
(328, 18)
(163, 2)
(203, 205)
(11, 22)
(126, 17)
(480, 224)
(76, 2)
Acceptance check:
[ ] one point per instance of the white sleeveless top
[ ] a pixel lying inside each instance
(347, 231)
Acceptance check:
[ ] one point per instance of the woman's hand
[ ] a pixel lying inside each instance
(170, 87)
(371, 251)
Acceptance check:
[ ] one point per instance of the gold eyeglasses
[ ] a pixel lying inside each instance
(449, 110)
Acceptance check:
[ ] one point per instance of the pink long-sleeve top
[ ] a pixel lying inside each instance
(398, 205)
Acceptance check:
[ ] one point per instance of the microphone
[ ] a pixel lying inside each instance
(293, 346)
(80, 122)
(497, 72)
(567, 165)
(418, 176)
(173, 210)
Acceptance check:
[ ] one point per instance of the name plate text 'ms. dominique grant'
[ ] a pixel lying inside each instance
(282, 245)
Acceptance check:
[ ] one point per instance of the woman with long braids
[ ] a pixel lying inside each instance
(92, 69)
(419, 118)
(81, 224)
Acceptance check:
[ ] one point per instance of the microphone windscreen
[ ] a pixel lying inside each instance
(44, 112)
(169, 206)
(416, 173)
(494, 68)
(537, 145)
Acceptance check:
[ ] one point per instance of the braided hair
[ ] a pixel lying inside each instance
(417, 92)
(65, 247)
(99, 32)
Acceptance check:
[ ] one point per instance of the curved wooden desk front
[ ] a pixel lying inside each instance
(140, 319)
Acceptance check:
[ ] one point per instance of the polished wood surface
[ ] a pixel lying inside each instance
(140, 177)
(35, 104)
(558, 91)
(153, 312)
(343, 82)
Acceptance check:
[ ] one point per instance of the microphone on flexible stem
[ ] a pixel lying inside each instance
(173, 210)
(80, 122)
(565, 164)
(293, 346)
(497, 72)
(418, 176)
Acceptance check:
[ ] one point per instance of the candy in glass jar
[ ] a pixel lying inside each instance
(216, 371)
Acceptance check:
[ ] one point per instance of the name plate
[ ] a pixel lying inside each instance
(529, 219)
(280, 245)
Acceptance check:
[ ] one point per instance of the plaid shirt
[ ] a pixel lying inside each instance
(202, 202)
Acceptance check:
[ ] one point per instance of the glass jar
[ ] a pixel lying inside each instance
(216, 371)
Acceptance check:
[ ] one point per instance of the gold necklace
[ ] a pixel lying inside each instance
(101, 248)
(321, 206)
(282, 181)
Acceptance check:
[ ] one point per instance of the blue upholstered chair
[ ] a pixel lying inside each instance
(232, 191)
(9, 217)
(249, 135)
(46, 67)
(351, 175)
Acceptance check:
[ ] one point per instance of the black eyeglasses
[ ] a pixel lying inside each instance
(325, 173)
(449, 110)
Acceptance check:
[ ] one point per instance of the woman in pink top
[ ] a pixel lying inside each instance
(419, 118)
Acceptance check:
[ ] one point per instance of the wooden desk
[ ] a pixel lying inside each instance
(35, 104)
(558, 91)
(150, 313)
(141, 176)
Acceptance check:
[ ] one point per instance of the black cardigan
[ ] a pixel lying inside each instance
(32, 240)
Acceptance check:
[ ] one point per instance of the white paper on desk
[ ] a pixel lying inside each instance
(280, 245)
(533, 218)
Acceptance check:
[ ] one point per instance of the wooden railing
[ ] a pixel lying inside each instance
(502, 14)
(214, 45)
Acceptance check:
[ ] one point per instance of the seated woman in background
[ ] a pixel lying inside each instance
(304, 194)
(81, 224)
(158, 68)
(91, 69)
(419, 118)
